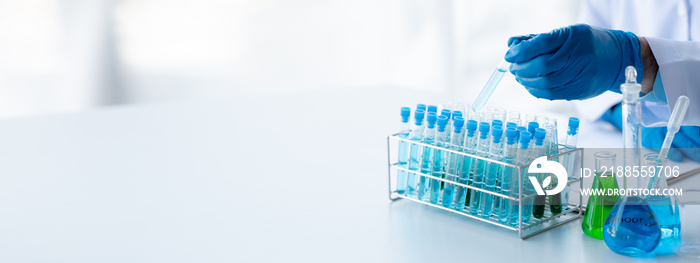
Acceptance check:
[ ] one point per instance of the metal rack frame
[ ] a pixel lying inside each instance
(525, 230)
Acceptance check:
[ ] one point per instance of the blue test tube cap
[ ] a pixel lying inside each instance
(471, 127)
(483, 130)
(456, 114)
(496, 133)
(525, 139)
(405, 114)
(447, 113)
(532, 126)
(520, 130)
(539, 136)
(510, 125)
(420, 107)
(459, 122)
(418, 115)
(511, 135)
(432, 108)
(573, 125)
(432, 117)
(441, 123)
(497, 122)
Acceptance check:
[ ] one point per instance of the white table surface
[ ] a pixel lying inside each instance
(283, 178)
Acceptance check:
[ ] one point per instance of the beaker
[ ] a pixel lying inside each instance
(603, 195)
(689, 203)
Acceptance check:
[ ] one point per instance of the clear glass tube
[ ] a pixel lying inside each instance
(490, 86)
(422, 184)
(479, 167)
(493, 170)
(416, 151)
(465, 175)
(542, 120)
(403, 150)
(439, 158)
(530, 118)
(454, 163)
(514, 117)
(508, 178)
(499, 114)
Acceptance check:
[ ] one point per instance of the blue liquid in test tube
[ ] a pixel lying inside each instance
(428, 152)
(465, 171)
(490, 86)
(403, 149)
(522, 158)
(492, 171)
(438, 158)
(416, 151)
(508, 175)
(479, 167)
(453, 163)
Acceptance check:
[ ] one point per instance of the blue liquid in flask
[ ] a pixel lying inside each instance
(632, 228)
(666, 211)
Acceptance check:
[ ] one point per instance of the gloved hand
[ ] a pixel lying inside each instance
(575, 62)
(686, 142)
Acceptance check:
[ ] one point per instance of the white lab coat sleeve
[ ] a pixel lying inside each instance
(595, 13)
(679, 68)
(654, 108)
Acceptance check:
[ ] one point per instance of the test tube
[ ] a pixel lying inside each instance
(439, 157)
(499, 114)
(530, 118)
(428, 138)
(403, 149)
(453, 162)
(490, 86)
(542, 120)
(492, 172)
(479, 167)
(514, 117)
(416, 150)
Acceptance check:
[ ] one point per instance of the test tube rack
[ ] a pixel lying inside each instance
(570, 211)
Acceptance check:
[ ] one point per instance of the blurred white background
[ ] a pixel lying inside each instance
(68, 55)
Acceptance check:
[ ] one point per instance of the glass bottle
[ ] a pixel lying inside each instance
(603, 195)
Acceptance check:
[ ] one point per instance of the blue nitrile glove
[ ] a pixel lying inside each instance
(686, 142)
(575, 62)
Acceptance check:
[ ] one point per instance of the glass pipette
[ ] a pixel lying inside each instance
(674, 124)
(490, 86)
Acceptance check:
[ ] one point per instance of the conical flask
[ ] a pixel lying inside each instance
(664, 206)
(603, 195)
(631, 228)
